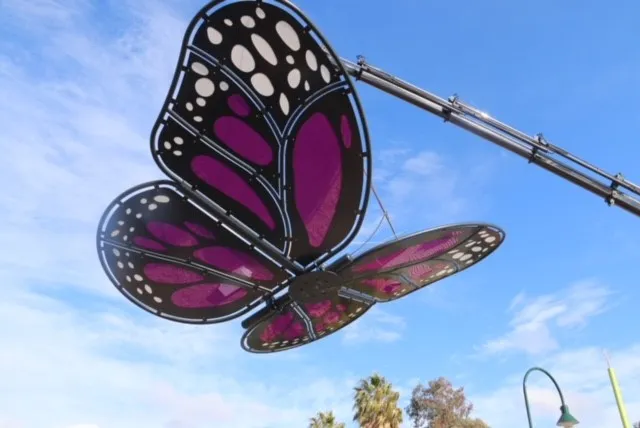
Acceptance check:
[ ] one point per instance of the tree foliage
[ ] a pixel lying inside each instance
(440, 405)
(325, 420)
(376, 404)
(636, 425)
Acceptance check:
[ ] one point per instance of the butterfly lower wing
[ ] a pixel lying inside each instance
(297, 324)
(164, 253)
(398, 268)
(264, 124)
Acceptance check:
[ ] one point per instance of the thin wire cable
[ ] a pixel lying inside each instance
(366, 241)
(384, 211)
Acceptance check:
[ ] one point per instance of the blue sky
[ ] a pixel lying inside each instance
(81, 85)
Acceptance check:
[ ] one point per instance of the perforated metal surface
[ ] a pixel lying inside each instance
(398, 268)
(385, 273)
(301, 324)
(266, 146)
(262, 131)
(264, 122)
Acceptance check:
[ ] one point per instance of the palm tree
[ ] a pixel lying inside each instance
(324, 420)
(376, 404)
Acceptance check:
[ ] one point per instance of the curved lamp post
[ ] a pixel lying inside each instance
(566, 419)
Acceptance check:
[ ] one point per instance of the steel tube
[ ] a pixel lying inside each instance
(500, 134)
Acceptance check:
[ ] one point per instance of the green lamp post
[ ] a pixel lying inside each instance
(566, 418)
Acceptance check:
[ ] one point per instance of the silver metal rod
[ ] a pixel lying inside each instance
(534, 149)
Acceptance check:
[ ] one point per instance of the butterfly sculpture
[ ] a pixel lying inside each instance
(267, 150)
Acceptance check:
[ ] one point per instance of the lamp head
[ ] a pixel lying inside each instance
(566, 418)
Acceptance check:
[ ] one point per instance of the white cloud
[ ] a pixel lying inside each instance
(104, 367)
(425, 187)
(76, 113)
(582, 376)
(534, 320)
(581, 372)
(424, 163)
(76, 136)
(375, 326)
(408, 180)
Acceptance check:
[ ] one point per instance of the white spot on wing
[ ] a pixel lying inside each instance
(200, 68)
(248, 21)
(284, 104)
(214, 36)
(204, 88)
(293, 78)
(262, 84)
(264, 49)
(288, 35)
(324, 72)
(312, 62)
(242, 59)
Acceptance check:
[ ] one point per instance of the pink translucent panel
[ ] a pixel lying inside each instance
(286, 326)
(345, 130)
(238, 104)
(318, 309)
(243, 139)
(317, 171)
(383, 285)
(199, 230)
(332, 314)
(166, 273)
(422, 271)
(223, 178)
(415, 253)
(170, 290)
(148, 244)
(234, 261)
(207, 295)
(171, 234)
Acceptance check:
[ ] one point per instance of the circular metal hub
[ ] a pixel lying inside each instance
(312, 286)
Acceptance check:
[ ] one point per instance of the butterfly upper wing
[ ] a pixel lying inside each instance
(396, 269)
(264, 124)
(299, 324)
(167, 255)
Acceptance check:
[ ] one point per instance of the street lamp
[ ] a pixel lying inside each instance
(566, 418)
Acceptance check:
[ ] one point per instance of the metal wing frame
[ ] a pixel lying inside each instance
(322, 302)
(274, 180)
(212, 99)
(267, 149)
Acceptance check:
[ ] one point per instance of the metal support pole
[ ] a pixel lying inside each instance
(535, 149)
(526, 397)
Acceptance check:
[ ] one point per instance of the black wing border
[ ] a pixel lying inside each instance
(201, 17)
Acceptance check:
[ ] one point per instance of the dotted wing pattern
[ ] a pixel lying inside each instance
(169, 257)
(393, 270)
(263, 123)
(300, 324)
(266, 145)
(385, 273)
(265, 142)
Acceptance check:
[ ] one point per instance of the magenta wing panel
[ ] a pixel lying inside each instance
(173, 290)
(396, 269)
(158, 222)
(298, 325)
(264, 124)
